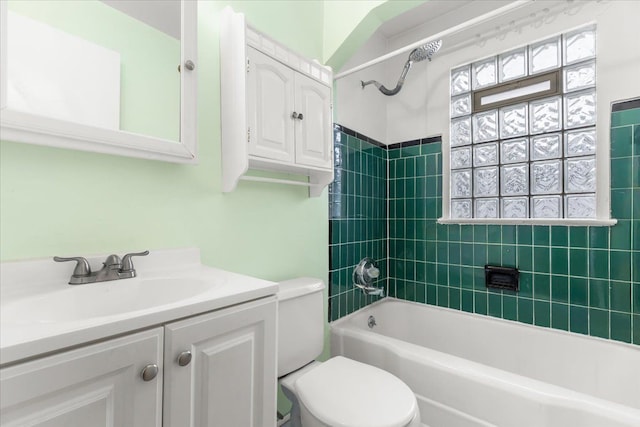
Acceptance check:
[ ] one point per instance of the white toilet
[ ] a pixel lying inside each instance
(339, 392)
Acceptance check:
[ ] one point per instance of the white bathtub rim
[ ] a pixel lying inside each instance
(540, 391)
(486, 317)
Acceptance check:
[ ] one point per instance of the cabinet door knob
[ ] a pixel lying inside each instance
(300, 116)
(149, 372)
(189, 65)
(294, 115)
(184, 358)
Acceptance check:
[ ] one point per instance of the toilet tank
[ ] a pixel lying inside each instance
(300, 323)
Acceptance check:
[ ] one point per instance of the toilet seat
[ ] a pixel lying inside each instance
(344, 393)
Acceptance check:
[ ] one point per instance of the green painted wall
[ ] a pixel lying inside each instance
(340, 18)
(345, 21)
(55, 201)
(297, 24)
(150, 82)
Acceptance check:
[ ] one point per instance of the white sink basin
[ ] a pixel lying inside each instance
(40, 312)
(77, 302)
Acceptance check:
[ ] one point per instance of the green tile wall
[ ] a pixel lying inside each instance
(357, 219)
(580, 279)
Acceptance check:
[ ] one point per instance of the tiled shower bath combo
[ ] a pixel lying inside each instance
(573, 278)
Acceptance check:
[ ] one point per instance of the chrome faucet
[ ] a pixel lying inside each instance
(378, 292)
(113, 268)
(364, 275)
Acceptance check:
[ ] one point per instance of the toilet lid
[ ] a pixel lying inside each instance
(344, 393)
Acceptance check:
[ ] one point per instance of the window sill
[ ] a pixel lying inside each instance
(599, 222)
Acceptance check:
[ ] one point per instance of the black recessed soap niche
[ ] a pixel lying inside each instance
(497, 277)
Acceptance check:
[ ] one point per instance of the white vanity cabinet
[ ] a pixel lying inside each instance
(289, 114)
(96, 385)
(276, 110)
(220, 368)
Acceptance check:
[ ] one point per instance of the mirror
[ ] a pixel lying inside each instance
(108, 76)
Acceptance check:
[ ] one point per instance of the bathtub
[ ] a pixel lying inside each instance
(472, 370)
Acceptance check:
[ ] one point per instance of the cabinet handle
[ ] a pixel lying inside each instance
(189, 65)
(300, 116)
(294, 115)
(149, 372)
(184, 358)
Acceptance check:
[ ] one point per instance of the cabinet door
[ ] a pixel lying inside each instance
(313, 131)
(270, 107)
(97, 385)
(231, 377)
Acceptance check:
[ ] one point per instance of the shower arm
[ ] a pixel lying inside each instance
(390, 92)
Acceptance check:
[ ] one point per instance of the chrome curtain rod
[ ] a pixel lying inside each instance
(471, 22)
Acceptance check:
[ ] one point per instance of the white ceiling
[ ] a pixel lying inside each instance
(163, 15)
(423, 14)
(434, 16)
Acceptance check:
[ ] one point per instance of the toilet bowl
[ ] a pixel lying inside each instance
(339, 392)
(344, 393)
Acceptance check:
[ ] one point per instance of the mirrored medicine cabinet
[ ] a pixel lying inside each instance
(109, 76)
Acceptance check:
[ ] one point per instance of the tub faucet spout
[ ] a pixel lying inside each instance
(378, 292)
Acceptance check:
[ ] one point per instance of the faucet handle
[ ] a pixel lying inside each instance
(82, 265)
(373, 272)
(127, 262)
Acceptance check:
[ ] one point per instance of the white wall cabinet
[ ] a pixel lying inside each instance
(270, 105)
(313, 132)
(32, 127)
(289, 114)
(229, 379)
(276, 109)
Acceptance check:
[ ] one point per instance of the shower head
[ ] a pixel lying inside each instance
(425, 51)
(418, 54)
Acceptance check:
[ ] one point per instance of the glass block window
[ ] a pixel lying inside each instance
(523, 138)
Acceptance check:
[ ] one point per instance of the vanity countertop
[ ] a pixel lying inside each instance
(41, 313)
